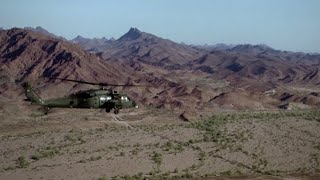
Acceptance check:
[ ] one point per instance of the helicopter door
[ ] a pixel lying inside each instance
(89, 100)
(96, 102)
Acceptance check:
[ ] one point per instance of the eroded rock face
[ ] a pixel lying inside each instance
(31, 55)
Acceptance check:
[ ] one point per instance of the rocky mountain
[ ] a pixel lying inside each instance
(265, 68)
(146, 48)
(251, 49)
(253, 68)
(177, 76)
(32, 56)
(37, 58)
(150, 49)
(88, 43)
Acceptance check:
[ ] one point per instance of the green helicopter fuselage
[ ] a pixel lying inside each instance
(93, 98)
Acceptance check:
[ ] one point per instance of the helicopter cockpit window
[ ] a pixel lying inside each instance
(124, 98)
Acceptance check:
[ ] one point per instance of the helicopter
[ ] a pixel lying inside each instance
(107, 99)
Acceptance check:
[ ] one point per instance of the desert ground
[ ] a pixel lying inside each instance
(149, 143)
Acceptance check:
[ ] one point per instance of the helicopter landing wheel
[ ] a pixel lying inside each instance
(116, 111)
(108, 110)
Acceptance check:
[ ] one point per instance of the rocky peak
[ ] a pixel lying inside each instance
(38, 29)
(132, 34)
(134, 31)
(79, 38)
(41, 30)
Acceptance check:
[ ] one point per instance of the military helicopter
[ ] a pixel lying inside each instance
(107, 99)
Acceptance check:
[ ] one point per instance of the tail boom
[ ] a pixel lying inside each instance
(32, 95)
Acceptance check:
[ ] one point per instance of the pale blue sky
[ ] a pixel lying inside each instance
(282, 24)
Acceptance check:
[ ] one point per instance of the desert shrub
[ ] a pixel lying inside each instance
(22, 162)
(156, 158)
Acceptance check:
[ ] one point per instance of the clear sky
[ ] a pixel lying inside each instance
(282, 24)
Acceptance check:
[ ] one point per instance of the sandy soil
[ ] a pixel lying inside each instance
(156, 144)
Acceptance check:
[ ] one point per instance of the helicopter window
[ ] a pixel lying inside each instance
(124, 98)
(105, 98)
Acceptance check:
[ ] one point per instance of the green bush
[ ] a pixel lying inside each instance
(22, 162)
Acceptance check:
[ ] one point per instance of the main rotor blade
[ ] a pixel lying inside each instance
(98, 84)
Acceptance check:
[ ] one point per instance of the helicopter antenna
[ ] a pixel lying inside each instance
(98, 84)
